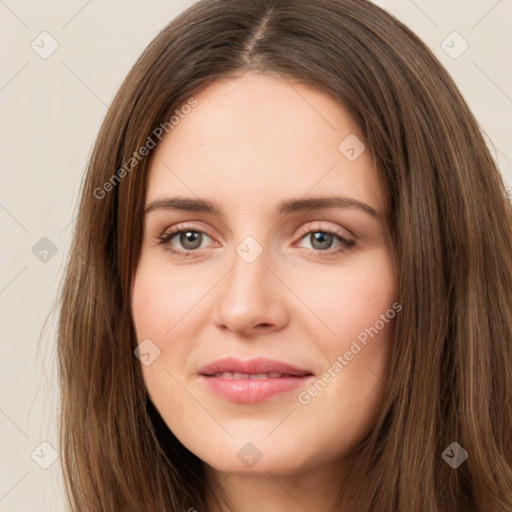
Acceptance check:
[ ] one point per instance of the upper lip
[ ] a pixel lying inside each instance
(253, 366)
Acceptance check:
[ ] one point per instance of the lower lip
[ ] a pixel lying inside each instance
(252, 390)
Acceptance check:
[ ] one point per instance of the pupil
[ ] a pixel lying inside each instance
(325, 240)
(190, 237)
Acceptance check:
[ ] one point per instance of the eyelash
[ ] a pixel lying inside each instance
(166, 237)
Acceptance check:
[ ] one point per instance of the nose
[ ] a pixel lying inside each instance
(250, 299)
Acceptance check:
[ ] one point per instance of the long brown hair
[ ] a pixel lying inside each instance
(451, 225)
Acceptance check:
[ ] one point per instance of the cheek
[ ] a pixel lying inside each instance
(351, 299)
(159, 302)
(167, 310)
(160, 298)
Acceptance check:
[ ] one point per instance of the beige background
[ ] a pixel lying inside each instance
(51, 110)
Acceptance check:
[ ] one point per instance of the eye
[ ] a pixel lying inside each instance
(325, 242)
(190, 238)
(185, 241)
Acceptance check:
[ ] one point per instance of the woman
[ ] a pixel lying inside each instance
(290, 282)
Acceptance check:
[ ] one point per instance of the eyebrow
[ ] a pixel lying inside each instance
(284, 207)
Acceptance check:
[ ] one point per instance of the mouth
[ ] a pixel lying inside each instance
(252, 381)
(251, 376)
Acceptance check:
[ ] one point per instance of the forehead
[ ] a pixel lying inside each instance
(258, 139)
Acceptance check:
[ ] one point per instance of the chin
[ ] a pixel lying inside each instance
(258, 457)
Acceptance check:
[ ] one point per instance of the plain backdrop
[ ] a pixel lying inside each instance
(62, 62)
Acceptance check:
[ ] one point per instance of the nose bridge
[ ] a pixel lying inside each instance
(251, 254)
(248, 279)
(249, 297)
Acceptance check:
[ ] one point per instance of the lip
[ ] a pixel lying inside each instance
(252, 387)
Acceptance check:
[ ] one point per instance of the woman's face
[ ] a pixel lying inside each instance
(266, 348)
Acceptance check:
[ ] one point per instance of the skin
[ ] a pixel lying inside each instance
(250, 143)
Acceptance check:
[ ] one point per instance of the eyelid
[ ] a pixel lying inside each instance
(184, 226)
(305, 229)
(320, 226)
